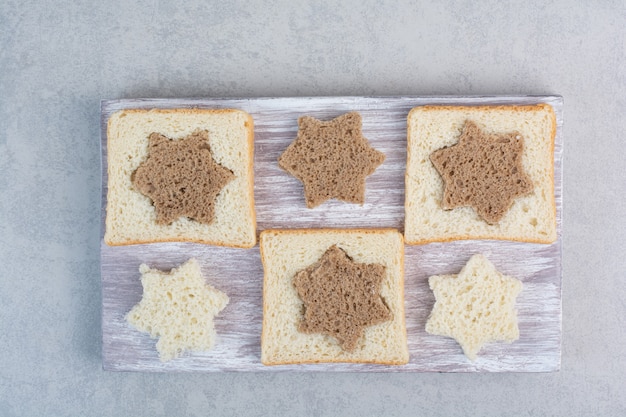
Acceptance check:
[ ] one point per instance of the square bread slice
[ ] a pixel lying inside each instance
(131, 216)
(531, 218)
(286, 252)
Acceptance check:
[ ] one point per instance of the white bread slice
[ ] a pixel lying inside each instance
(532, 218)
(130, 217)
(475, 307)
(285, 252)
(178, 307)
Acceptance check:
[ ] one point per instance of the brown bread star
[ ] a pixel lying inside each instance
(341, 298)
(181, 177)
(331, 159)
(483, 171)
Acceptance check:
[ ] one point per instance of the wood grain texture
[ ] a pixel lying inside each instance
(280, 204)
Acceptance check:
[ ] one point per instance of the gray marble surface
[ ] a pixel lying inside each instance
(59, 59)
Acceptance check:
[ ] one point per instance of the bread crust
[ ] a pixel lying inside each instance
(249, 124)
(481, 109)
(338, 231)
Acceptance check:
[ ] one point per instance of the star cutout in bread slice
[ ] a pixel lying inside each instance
(179, 308)
(341, 298)
(181, 177)
(331, 159)
(483, 171)
(475, 307)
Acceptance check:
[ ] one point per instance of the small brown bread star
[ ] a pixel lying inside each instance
(341, 298)
(483, 171)
(331, 159)
(181, 177)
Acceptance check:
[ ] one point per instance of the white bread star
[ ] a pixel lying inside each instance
(179, 308)
(475, 307)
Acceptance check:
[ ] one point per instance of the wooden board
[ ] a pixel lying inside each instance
(280, 204)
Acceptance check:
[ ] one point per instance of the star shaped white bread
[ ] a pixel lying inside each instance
(475, 307)
(179, 308)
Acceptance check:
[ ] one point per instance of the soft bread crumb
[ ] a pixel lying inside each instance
(475, 307)
(178, 308)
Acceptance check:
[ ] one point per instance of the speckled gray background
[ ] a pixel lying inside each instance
(58, 59)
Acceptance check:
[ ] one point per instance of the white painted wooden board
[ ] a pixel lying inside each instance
(280, 204)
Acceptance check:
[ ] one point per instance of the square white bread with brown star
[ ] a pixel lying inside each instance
(180, 175)
(480, 172)
(333, 295)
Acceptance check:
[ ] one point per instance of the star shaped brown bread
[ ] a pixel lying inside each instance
(331, 159)
(483, 171)
(181, 177)
(341, 298)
